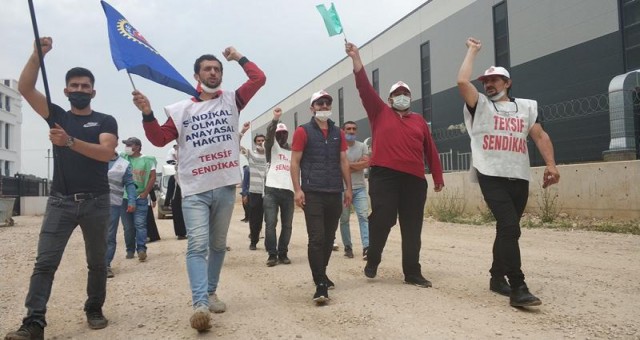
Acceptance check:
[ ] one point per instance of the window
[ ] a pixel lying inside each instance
(1, 100)
(7, 103)
(295, 119)
(630, 27)
(501, 34)
(7, 130)
(425, 68)
(7, 82)
(375, 80)
(7, 168)
(341, 106)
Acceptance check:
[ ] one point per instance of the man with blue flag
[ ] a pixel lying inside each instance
(206, 130)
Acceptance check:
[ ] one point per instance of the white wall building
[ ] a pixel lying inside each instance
(10, 127)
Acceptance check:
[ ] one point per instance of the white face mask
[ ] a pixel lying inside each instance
(128, 150)
(401, 102)
(207, 89)
(498, 95)
(323, 115)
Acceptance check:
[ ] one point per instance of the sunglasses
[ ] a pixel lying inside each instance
(323, 101)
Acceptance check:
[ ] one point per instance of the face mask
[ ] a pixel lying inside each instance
(497, 96)
(350, 138)
(79, 100)
(128, 150)
(401, 102)
(323, 115)
(207, 89)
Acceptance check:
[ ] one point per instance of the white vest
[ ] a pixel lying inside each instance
(278, 174)
(499, 137)
(208, 144)
(116, 180)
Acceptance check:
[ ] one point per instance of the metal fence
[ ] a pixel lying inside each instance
(22, 185)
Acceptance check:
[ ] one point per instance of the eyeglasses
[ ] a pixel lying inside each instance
(506, 105)
(323, 101)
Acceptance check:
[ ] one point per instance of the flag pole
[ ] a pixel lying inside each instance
(345, 36)
(131, 80)
(40, 57)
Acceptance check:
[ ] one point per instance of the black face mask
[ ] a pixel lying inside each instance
(281, 138)
(79, 100)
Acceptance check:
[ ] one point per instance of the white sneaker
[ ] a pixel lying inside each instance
(201, 318)
(216, 305)
(335, 247)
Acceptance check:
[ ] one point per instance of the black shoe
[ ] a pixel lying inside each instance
(417, 280)
(322, 294)
(348, 252)
(330, 284)
(252, 247)
(32, 331)
(283, 259)
(272, 261)
(499, 285)
(521, 297)
(96, 319)
(182, 237)
(370, 271)
(365, 251)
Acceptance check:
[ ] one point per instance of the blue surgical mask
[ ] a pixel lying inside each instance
(350, 138)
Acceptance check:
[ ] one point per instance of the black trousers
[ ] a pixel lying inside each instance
(176, 213)
(152, 227)
(506, 199)
(255, 217)
(396, 196)
(321, 213)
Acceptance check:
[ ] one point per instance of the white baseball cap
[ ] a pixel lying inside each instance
(397, 85)
(318, 95)
(495, 71)
(281, 127)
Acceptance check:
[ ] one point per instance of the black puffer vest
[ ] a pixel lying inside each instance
(320, 163)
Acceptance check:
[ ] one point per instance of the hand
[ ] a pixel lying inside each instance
(153, 204)
(230, 53)
(551, 176)
(438, 187)
(352, 50)
(348, 198)
(245, 127)
(299, 198)
(58, 136)
(245, 199)
(131, 208)
(141, 102)
(277, 113)
(143, 196)
(46, 45)
(474, 44)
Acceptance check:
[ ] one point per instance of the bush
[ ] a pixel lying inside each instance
(449, 207)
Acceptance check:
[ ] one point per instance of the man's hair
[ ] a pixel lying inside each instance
(349, 122)
(256, 137)
(79, 72)
(196, 65)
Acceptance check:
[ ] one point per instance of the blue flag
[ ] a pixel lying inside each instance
(131, 51)
(331, 19)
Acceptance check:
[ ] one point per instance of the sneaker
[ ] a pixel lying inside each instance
(322, 294)
(283, 259)
(521, 297)
(370, 271)
(417, 281)
(216, 305)
(364, 253)
(348, 252)
(142, 256)
(272, 261)
(32, 331)
(109, 272)
(96, 319)
(330, 284)
(228, 248)
(499, 285)
(252, 247)
(130, 255)
(201, 318)
(182, 237)
(335, 247)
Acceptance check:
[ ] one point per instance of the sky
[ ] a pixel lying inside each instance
(285, 38)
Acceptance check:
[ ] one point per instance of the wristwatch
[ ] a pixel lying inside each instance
(70, 141)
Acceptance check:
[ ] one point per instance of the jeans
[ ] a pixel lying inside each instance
(114, 220)
(274, 199)
(256, 216)
(135, 225)
(506, 199)
(360, 204)
(396, 196)
(321, 213)
(62, 216)
(207, 216)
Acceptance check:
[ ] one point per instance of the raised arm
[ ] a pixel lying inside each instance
(158, 135)
(271, 133)
(469, 92)
(257, 79)
(29, 77)
(371, 101)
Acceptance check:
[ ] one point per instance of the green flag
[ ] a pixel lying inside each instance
(331, 19)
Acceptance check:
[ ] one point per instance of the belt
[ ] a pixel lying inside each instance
(79, 197)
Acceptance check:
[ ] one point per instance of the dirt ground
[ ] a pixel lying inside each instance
(589, 283)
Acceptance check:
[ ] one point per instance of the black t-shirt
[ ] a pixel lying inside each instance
(72, 172)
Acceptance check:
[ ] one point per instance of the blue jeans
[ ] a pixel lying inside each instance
(61, 217)
(207, 216)
(361, 205)
(274, 199)
(114, 220)
(135, 225)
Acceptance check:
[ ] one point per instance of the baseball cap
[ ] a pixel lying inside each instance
(318, 95)
(131, 140)
(397, 85)
(495, 71)
(281, 127)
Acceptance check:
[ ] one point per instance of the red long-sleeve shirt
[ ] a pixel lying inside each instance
(401, 143)
(162, 135)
